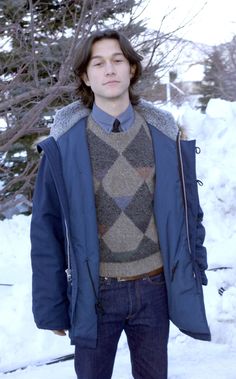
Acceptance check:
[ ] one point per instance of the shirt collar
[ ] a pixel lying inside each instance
(106, 121)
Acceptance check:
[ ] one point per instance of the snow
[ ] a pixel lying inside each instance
(3, 124)
(21, 342)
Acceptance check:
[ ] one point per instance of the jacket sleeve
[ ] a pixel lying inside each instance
(48, 259)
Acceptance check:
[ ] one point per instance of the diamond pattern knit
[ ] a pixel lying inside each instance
(123, 174)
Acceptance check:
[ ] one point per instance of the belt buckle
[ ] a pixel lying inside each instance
(105, 278)
(119, 279)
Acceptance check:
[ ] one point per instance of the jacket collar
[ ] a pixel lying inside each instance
(68, 116)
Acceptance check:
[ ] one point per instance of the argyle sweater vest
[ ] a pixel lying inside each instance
(123, 176)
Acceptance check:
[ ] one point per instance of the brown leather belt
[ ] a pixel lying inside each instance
(136, 277)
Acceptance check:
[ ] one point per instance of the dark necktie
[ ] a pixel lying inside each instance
(116, 126)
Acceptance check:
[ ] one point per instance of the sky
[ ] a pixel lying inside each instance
(21, 343)
(215, 20)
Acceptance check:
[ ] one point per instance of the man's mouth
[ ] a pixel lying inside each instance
(111, 82)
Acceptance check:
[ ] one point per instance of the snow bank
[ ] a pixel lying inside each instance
(20, 340)
(216, 167)
(215, 133)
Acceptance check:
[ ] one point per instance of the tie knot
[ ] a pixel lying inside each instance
(116, 126)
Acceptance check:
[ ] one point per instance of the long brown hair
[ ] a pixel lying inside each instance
(83, 55)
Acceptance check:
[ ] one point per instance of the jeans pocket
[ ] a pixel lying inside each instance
(156, 280)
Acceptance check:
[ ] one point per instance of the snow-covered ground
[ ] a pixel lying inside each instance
(21, 342)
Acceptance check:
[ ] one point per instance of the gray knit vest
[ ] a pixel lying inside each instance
(123, 176)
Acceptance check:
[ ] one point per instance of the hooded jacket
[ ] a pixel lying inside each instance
(64, 238)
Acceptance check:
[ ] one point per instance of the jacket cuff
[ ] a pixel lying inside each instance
(204, 278)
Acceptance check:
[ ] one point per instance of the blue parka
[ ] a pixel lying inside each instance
(64, 237)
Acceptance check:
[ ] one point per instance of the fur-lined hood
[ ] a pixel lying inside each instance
(68, 116)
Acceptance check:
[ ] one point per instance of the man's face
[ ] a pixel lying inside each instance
(108, 72)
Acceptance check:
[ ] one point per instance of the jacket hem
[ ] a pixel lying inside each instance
(83, 342)
(198, 336)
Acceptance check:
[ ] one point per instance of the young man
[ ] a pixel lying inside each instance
(117, 238)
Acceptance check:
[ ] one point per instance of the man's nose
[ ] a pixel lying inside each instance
(109, 68)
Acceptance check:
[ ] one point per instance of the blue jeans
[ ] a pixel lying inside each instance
(139, 308)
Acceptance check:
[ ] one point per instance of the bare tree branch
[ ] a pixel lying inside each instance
(29, 95)
(32, 32)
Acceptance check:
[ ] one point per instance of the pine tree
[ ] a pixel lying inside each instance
(212, 82)
(220, 74)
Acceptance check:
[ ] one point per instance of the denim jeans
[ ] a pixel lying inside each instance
(139, 308)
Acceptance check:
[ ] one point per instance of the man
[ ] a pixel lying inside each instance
(117, 239)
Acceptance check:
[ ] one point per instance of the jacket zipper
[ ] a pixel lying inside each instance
(98, 305)
(184, 195)
(184, 192)
(68, 270)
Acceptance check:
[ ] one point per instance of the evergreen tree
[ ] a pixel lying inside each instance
(211, 84)
(220, 74)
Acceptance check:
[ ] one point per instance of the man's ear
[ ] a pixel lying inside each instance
(132, 70)
(85, 78)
